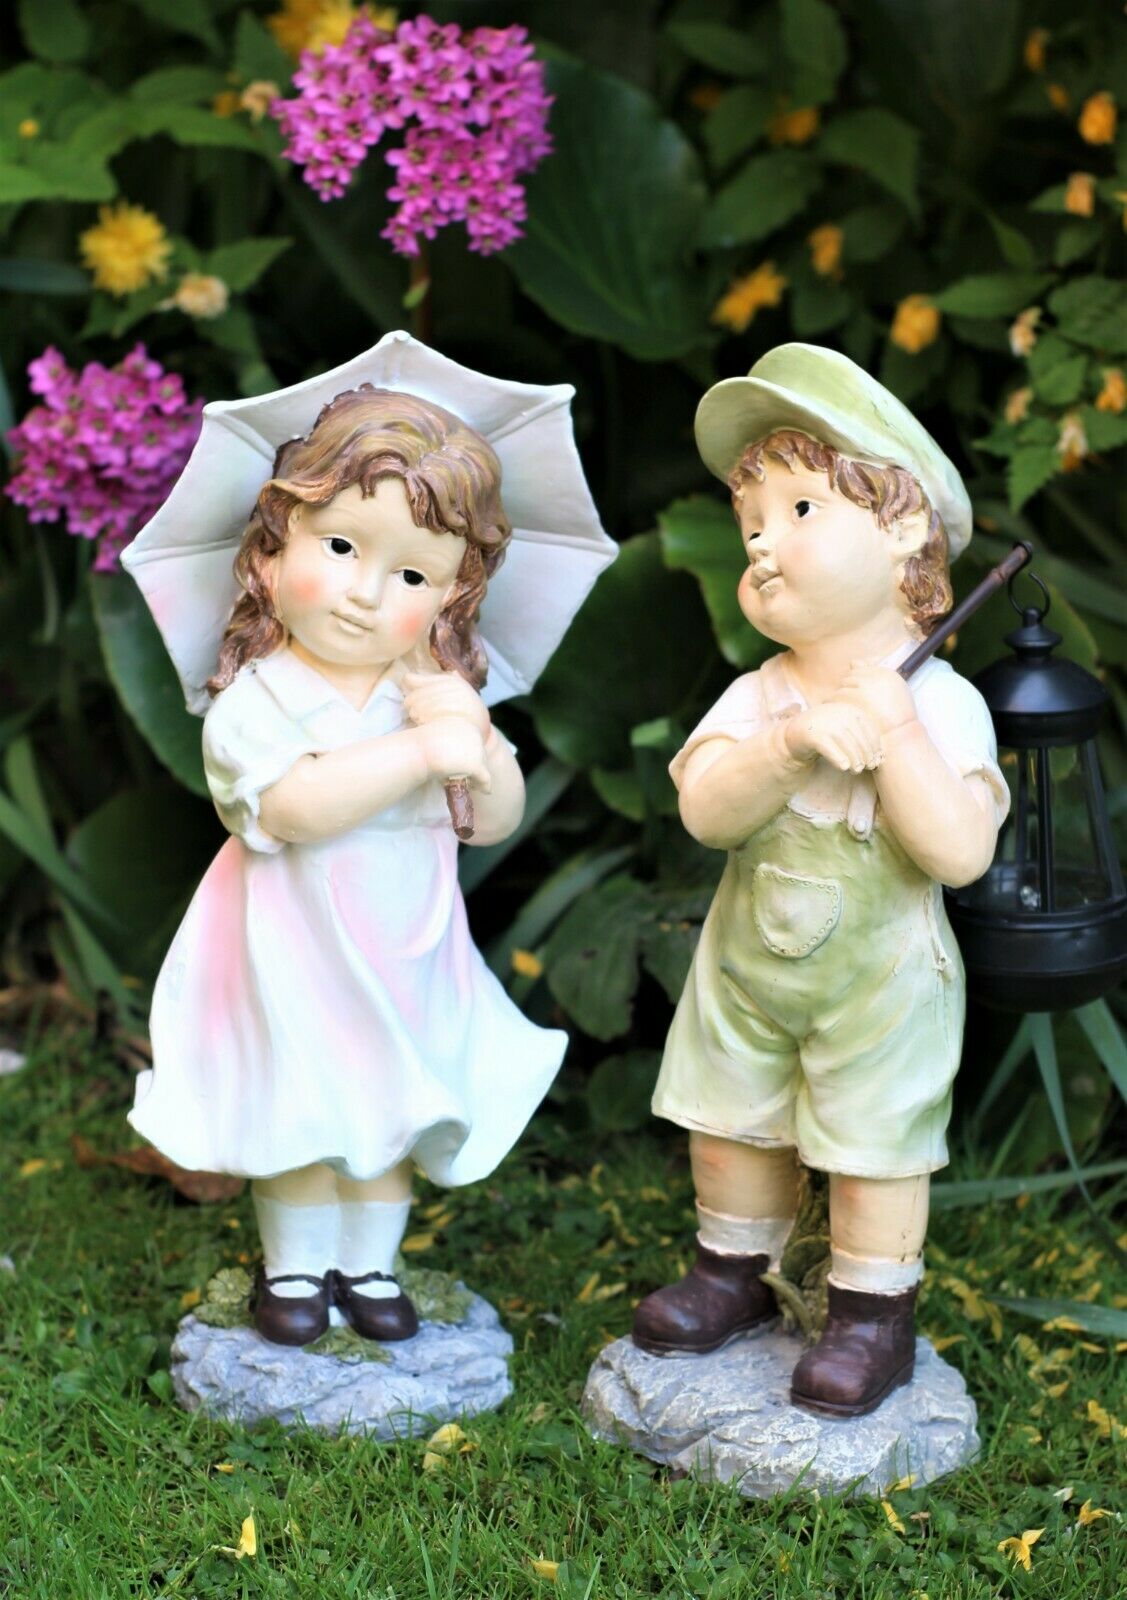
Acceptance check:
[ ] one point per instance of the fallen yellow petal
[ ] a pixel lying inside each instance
(1089, 1513)
(30, 1168)
(446, 1439)
(1020, 1549)
(417, 1241)
(1110, 1427)
(546, 1569)
(431, 1462)
(526, 964)
(905, 1482)
(588, 1289)
(190, 1298)
(248, 1540)
(890, 1512)
(947, 1341)
(224, 1466)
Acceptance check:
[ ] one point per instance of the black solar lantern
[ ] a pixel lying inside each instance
(1046, 928)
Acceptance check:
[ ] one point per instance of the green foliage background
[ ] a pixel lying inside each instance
(943, 155)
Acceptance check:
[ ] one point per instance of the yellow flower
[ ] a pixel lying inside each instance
(825, 249)
(1098, 119)
(1019, 1549)
(915, 324)
(748, 295)
(247, 1545)
(1058, 96)
(526, 964)
(1034, 49)
(312, 24)
(1072, 441)
(1080, 194)
(794, 127)
(1113, 395)
(258, 97)
(28, 128)
(126, 249)
(199, 294)
(1023, 330)
(1089, 1513)
(1017, 406)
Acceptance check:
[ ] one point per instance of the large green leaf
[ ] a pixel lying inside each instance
(54, 29)
(880, 144)
(192, 17)
(699, 535)
(241, 265)
(24, 275)
(736, 51)
(737, 123)
(637, 648)
(185, 84)
(619, 1091)
(613, 214)
(145, 678)
(765, 194)
(1104, 1321)
(592, 958)
(993, 294)
(1093, 311)
(814, 41)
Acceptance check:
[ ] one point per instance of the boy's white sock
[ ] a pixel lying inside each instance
(874, 1274)
(743, 1236)
(370, 1234)
(295, 1239)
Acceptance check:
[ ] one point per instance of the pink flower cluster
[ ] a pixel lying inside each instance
(104, 448)
(476, 116)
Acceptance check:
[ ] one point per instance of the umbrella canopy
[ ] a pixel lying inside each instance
(183, 558)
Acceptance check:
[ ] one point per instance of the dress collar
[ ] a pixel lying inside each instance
(781, 693)
(300, 689)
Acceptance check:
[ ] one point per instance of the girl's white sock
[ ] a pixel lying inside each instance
(370, 1233)
(295, 1239)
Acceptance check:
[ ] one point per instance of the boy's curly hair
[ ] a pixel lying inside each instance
(888, 492)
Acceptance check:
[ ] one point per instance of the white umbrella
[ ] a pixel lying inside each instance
(182, 559)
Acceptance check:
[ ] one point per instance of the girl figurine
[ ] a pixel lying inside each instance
(822, 1019)
(323, 1023)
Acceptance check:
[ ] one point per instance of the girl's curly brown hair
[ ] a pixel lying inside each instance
(888, 492)
(453, 482)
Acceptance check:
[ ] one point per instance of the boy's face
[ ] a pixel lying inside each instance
(818, 564)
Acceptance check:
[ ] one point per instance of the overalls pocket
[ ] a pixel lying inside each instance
(794, 915)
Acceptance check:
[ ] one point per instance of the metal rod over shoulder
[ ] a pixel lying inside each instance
(1019, 556)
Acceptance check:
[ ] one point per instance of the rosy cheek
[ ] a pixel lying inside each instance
(306, 588)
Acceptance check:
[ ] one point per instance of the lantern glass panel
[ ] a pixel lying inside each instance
(1052, 853)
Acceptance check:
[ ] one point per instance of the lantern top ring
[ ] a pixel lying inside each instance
(1042, 611)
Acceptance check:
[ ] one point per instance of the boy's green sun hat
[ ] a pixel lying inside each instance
(824, 394)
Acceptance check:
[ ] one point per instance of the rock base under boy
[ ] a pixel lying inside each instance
(728, 1416)
(444, 1374)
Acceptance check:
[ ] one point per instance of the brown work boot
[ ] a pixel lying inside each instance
(291, 1319)
(867, 1349)
(719, 1297)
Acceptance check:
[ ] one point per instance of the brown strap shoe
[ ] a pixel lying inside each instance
(867, 1349)
(291, 1319)
(718, 1298)
(387, 1319)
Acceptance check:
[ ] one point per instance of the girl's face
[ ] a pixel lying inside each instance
(818, 564)
(358, 583)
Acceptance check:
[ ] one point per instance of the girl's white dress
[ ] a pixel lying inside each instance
(325, 1002)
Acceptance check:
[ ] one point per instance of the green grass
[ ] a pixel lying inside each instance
(108, 1490)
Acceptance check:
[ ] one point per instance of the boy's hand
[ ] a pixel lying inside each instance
(840, 733)
(881, 693)
(429, 695)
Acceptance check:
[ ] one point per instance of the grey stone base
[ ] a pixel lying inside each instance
(728, 1416)
(445, 1373)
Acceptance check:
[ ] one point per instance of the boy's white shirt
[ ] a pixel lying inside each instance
(951, 710)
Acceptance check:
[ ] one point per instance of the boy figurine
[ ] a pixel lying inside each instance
(822, 1018)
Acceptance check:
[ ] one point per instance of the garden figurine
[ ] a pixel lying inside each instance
(822, 1018)
(323, 1023)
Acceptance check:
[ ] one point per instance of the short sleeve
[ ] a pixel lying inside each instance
(248, 744)
(737, 714)
(958, 724)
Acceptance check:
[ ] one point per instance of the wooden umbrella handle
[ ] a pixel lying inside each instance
(1019, 556)
(459, 802)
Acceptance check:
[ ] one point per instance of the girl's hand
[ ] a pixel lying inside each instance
(841, 734)
(428, 696)
(452, 748)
